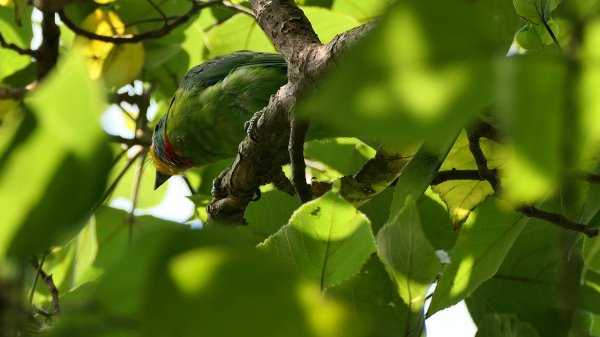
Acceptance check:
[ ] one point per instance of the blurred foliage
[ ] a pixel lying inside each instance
(80, 201)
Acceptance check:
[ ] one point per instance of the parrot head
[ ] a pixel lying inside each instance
(166, 159)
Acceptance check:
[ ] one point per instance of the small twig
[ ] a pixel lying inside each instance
(129, 141)
(162, 14)
(443, 176)
(114, 184)
(296, 150)
(50, 284)
(481, 161)
(130, 116)
(138, 22)
(132, 38)
(14, 47)
(36, 277)
(12, 93)
(238, 8)
(590, 177)
(189, 185)
(135, 192)
(124, 97)
(559, 220)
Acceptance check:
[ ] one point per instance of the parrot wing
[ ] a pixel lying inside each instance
(214, 71)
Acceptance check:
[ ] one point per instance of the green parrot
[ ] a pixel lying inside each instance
(205, 120)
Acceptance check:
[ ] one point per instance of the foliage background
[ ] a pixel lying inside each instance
(425, 75)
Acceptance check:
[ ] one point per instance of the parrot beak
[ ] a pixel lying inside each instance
(160, 179)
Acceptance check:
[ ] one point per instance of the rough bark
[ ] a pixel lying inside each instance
(260, 157)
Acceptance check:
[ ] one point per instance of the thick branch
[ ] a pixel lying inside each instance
(47, 54)
(286, 26)
(296, 150)
(131, 38)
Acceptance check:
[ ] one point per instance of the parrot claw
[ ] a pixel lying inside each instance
(251, 127)
(217, 190)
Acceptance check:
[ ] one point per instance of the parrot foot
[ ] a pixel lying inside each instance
(251, 127)
(217, 190)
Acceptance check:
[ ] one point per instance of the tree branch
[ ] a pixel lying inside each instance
(131, 38)
(14, 47)
(47, 54)
(559, 220)
(263, 152)
(50, 284)
(12, 93)
(296, 150)
(481, 161)
(443, 176)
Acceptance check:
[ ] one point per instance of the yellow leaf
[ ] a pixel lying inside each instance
(116, 64)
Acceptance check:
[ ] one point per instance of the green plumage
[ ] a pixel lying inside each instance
(205, 120)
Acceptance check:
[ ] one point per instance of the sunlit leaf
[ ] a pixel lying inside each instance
(482, 244)
(461, 196)
(410, 260)
(21, 36)
(535, 11)
(327, 239)
(242, 32)
(406, 80)
(532, 97)
(59, 146)
(362, 11)
(118, 64)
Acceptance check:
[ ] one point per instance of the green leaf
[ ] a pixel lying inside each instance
(217, 275)
(21, 36)
(410, 260)
(532, 98)
(538, 280)
(535, 11)
(343, 155)
(242, 32)
(406, 80)
(378, 208)
(374, 296)
(588, 100)
(58, 147)
(494, 325)
(436, 222)
(147, 196)
(327, 239)
(421, 169)
(239, 32)
(461, 196)
(113, 234)
(271, 212)
(362, 11)
(481, 246)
